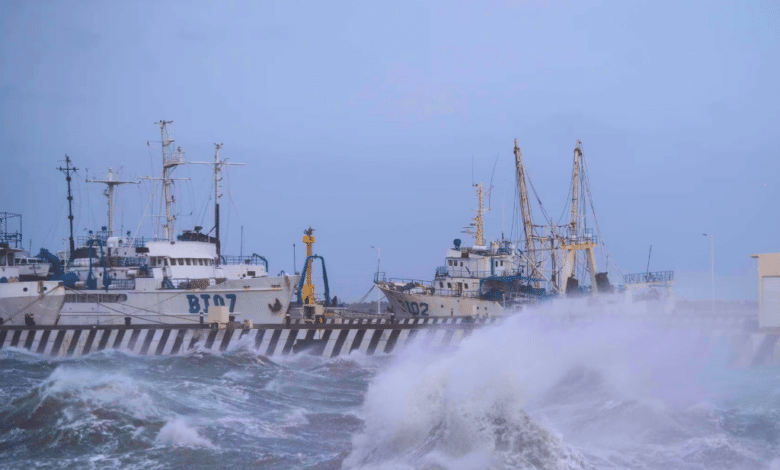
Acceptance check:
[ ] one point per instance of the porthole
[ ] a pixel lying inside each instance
(25, 289)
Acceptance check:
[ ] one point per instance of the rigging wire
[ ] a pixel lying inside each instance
(56, 225)
(598, 229)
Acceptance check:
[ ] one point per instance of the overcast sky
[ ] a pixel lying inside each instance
(362, 119)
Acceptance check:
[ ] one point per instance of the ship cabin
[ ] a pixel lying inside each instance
(182, 260)
(467, 267)
(480, 261)
(8, 269)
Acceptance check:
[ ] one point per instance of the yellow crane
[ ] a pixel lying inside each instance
(308, 288)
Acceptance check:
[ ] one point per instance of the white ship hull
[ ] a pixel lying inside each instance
(42, 300)
(424, 304)
(261, 300)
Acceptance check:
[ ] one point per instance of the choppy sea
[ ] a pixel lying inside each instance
(510, 397)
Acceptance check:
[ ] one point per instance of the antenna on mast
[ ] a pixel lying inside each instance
(68, 170)
(217, 164)
(110, 183)
(648, 259)
(490, 189)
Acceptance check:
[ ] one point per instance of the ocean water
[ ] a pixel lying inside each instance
(509, 397)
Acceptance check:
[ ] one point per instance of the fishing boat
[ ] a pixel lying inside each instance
(503, 276)
(23, 301)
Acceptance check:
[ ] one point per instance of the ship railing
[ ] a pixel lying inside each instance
(103, 237)
(411, 283)
(82, 240)
(649, 277)
(190, 283)
(120, 284)
(582, 238)
(458, 272)
(379, 277)
(254, 259)
(456, 293)
(122, 261)
(141, 242)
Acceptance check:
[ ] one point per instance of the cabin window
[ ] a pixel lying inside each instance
(166, 261)
(153, 261)
(502, 263)
(200, 262)
(189, 261)
(449, 285)
(22, 261)
(466, 286)
(441, 284)
(181, 261)
(461, 264)
(2, 260)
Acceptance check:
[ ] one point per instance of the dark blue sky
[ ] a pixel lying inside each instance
(362, 119)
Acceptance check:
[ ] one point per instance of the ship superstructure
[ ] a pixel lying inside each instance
(113, 278)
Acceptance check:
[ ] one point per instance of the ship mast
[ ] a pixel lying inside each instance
(171, 159)
(68, 170)
(576, 240)
(218, 164)
(111, 182)
(525, 208)
(479, 235)
(480, 238)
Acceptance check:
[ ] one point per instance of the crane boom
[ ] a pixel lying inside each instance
(525, 209)
(570, 256)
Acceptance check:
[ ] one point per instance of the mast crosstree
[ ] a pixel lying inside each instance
(111, 183)
(67, 171)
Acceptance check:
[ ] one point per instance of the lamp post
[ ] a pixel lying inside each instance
(378, 291)
(712, 267)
